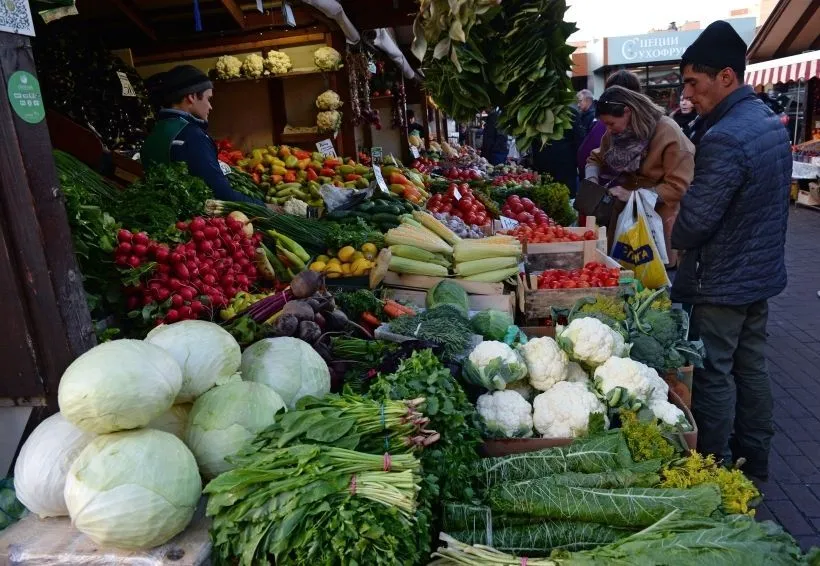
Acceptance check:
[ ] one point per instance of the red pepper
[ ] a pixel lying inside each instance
(290, 177)
(311, 175)
(352, 177)
(256, 177)
(327, 171)
(301, 154)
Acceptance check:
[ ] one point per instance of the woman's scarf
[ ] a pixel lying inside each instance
(625, 154)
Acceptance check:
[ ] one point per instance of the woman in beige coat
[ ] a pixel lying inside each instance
(641, 149)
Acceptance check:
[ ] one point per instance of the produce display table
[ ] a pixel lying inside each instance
(54, 542)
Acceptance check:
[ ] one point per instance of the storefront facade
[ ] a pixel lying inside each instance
(653, 57)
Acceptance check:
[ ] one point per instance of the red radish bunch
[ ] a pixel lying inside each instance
(467, 207)
(191, 278)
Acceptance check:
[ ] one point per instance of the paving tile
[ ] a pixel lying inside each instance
(808, 542)
(762, 513)
(811, 450)
(790, 517)
(804, 497)
(799, 429)
(772, 491)
(785, 446)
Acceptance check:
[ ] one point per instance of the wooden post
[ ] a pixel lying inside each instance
(46, 319)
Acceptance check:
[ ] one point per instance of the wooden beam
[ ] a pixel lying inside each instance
(303, 16)
(784, 49)
(235, 11)
(136, 17)
(225, 46)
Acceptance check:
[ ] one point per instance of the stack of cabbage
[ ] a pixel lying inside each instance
(123, 457)
(558, 370)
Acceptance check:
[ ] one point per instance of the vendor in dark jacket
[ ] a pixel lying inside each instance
(732, 228)
(181, 131)
(495, 145)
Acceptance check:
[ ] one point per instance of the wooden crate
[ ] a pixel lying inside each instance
(507, 446)
(504, 303)
(566, 255)
(424, 282)
(536, 303)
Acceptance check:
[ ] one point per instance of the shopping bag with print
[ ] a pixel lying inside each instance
(647, 199)
(635, 247)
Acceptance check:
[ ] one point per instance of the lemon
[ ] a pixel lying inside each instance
(334, 261)
(360, 267)
(346, 253)
(369, 248)
(319, 266)
(323, 258)
(356, 257)
(346, 268)
(333, 268)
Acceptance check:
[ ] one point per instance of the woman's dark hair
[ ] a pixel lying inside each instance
(626, 79)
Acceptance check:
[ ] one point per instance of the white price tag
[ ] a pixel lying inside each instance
(414, 151)
(377, 172)
(376, 154)
(457, 195)
(325, 147)
(508, 223)
(127, 87)
(226, 169)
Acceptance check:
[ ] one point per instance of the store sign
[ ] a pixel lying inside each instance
(25, 97)
(127, 87)
(325, 147)
(377, 172)
(15, 17)
(664, 46)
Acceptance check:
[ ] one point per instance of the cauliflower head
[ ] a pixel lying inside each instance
(327, 59)
(669, 413)
(228, 67)
(493, 365)
(523, 388)
(253, 66)
(505, 414)
(591, 342)
(639, 381)
(576, 374)
(277, 63)
(546, 362)
(296, 207)
(563, 410)
(328, 121)
(328, 100)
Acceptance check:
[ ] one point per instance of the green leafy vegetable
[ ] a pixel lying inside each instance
(355, 303)
(448, 293)
(630, 507)
(443, 325)
(356, 235)
(492, 324)
(10, 508)
(541, 538)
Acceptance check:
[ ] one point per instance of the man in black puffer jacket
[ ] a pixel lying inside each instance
(732, 229)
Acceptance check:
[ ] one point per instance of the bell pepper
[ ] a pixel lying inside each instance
(303, 163)
(278, 170)
(398, 179)
(289, 177)
(333, 163)
(301, 154)
(352, 177)
(291, 162)
(311, 175)
(276, 179)
(256, 178)
(284, 151)
(327, 172)
(315, 165)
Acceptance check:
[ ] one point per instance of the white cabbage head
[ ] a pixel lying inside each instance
(224, 419)
(206, 352)
(133, 490)
(289, 366)
(174, 420)
(43, 463)
(119, 385)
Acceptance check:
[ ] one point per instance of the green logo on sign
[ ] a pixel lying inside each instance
(25, 97)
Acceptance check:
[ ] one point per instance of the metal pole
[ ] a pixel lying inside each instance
(797, 115)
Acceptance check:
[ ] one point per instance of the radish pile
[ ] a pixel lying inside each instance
(191, 278)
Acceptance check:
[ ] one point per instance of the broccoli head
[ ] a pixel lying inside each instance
(661, 325)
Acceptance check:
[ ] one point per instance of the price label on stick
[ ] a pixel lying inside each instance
(127, 87)
(456, 195)
(414, 151)
(376, 154)
(226, 169)
(325, 147)
(377, 172)
(508, 223)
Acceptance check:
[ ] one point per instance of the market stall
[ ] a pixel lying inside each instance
(387, 357)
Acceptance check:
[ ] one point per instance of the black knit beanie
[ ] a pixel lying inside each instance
(180, 81)
(718, 46)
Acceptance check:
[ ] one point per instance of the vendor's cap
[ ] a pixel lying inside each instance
(718, 46)
(179, 82)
